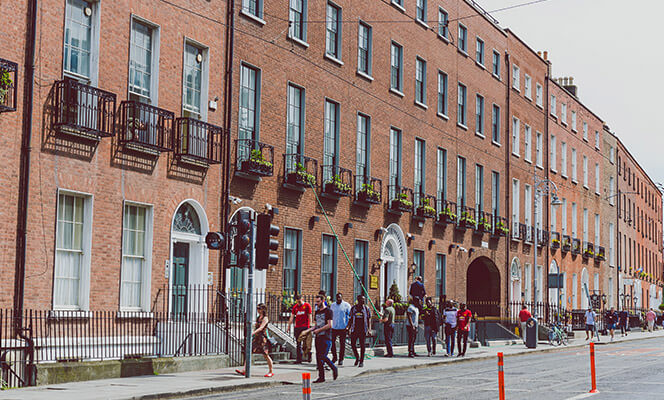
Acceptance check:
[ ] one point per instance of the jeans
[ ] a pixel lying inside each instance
(430, 333)
(323, 345)
(354, 337)
(298, 348)
(623, 328)
(412, 336)
(450, 333)
(462, 334)
(388, 330)
(651, 325)
(341, 334)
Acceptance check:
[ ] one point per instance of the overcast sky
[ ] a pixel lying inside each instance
(613, 50)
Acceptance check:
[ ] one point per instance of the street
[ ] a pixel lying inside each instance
(624, 370)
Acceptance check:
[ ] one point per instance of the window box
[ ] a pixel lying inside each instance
(425, 209)
(601, 254)
(542, 238)
(448, 213)
(339, 182)
(576, 246)
(7, 85)
(484, 224)
(197, 142)
(501, 227)
(555, 240)
(300, 170)
(467, 218)
(370, 190)
(401, 199)
(257, 164)
(588, 250)
(566, 245)
(145, 128)
(82, 110)
(301, 177)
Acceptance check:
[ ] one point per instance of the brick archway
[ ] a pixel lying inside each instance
(483, 287)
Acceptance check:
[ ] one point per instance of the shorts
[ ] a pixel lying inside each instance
(590, 327)
(611, 327)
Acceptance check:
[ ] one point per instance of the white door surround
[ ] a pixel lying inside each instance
(394, 256)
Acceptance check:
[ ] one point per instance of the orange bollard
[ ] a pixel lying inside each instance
(501, 377)
(593, 380)
(306, 386)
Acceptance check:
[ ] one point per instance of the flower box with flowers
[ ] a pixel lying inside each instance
(300, 176)
(587, 253)
(501, 229)
(466, 220)
(566, 245)
(484, 225)
(555, 243)
(601, 255)
(336, 187)
(367, 194)
(401, 203)
(257, 164)
(447, 216)
(425, 210)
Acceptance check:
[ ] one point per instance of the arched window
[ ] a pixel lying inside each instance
(186, 220)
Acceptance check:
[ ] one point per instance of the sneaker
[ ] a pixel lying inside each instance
(239, 372)
(335, 373)
(319, 380)
(361, 364)
(356, 362)
(341, 362)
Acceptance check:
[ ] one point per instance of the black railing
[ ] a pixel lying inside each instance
(146, 127)
(7, 85)
(485, 222)
(600, 255)
(530, 234)
(368, 190)
(523, 232)
(542, 237)
(555, 240)
(481, 309)
(253, 157)
(588, 250)
(447, 212)
(197, 140)
(546, 313)
(576, 246)
(501, 226)
(517, 232)
(566, 243)
(467, 217)
(401, 198)
(300, 170)
(336, 181)
(425, 206)
(83, 110)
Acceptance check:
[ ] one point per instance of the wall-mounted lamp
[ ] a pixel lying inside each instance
(410, 237)
(431, 243)
(379, 261)
(271, 210)
(470, 252)
(452, 247)
(347, 226)
(413, 266)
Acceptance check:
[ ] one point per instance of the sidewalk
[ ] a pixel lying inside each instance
(226, 380)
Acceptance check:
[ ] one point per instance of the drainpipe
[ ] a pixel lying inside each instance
(228, 107)
(23, 188)
(508, 181)
(547, 172)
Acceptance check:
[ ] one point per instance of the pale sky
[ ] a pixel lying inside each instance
(614, 52)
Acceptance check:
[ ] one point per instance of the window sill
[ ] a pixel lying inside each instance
(574, 181)
(365, 76)
(563, 123)
(575, 130)
(497, 77)
(424, 24)
(586, 187)
(69, 314)
(397, 92)
(462, 126)
(421, 105)
(333, 59)
(480, 134)
(541, 107)
(479, 64)
(516, 155)
(253, 17)
(585, 139)
(540, 166)
(597, 193)
(443, 116)
(555, 171)
(444, 39)
(564, 176)
(516, 89)
(298, 41)
(134, 315)
(530, 99)
(528, 161)
(463, 52)
(493, 142)
(398, 6)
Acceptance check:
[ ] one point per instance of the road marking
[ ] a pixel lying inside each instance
(582, 396)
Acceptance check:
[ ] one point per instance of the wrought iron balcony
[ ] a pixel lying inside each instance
(555, 240)
(146, 128)
(197, 142)
(447, 212)
(523, 232)
(576, 246)
(401, 198)
(299, 170)
(337, 181)
(485, 222)
(368, 190)
(467, 217)
(7, 85)
(517, 233)
(542, 237)
(254, 158)
(82, 110)
(588, 250)
(566, 243)
(530, 234)
(500, 226)
(600, 255)
(425, 206)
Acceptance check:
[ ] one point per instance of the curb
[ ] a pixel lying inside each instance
(210, 391)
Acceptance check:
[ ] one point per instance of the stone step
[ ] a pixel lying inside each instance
(258, 359)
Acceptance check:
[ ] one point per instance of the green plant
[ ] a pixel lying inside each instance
(402, 198)
(257, 158)
(394, 293)
(502, 228)
(370, 192)
(467, 218)
(5, 84)
(485, 224)
(287, 301)
(338, 184)
(661, 306)
(305, 176)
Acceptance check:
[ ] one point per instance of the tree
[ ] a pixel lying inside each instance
(394, 293)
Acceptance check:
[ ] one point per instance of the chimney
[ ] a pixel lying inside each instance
(546, 55)
(570, 86)
(539, 53)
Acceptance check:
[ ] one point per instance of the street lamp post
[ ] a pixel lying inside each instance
(543, 187)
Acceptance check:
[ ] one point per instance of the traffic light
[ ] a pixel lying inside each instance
(215, 241)
(243, 239)
(264, 242)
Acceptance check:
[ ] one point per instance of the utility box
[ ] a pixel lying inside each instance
(531, 333)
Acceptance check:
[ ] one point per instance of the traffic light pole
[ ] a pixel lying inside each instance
(249, 302)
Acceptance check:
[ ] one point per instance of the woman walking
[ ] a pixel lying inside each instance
(260, 343)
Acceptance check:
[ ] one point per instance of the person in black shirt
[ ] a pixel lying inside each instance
(431, 318)
(611, 320)
(359, 327)
(323, 332)
(622, 321)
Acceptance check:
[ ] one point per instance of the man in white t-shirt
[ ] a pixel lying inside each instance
(590, 323)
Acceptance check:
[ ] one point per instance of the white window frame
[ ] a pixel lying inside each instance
(597, 178)
(479, 115)
(155, 32)
(516, 136)
(585, 171)
(479, 51)
(574, 121)
(462, 106)
(516, 78)
(585, 131)
(93, 77)
(597, 140)
(443, 24)
(291, 31)
(574, 221)
(495, 70)
(339, 29)
(398, 88)
(553, 105)
(563, 159)
(146, 275)
(258, 16)
(205, 71)
(539, 145)
(527, 87)
(369, 50)
(528, 139)
(574, 166)
(463, 42)
(443, 96)
(538, 95)
(597, 231)
(421, 67)
(553, 159)
(563, 222)
(563, 113)
(86, 249)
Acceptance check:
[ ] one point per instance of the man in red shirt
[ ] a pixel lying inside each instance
(524, 316)
(302, 314)
(463, 327)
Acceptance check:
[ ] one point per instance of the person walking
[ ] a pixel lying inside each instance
(590, 323)
(388, 326)
(463, 327)
(417, 290)
(323, 333)
(359, 328)
(431, 318)
(650, 318)
(260, 344)
(340, 316)
(524, 316)
(611, 321)
(301, 314)
(412, 322)
(623, 317)
(450, 320)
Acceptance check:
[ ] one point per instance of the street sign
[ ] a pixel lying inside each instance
(556, 281)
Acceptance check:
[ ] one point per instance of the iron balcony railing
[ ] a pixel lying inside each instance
(8, 71)
(425, 206)
(588, 250)
(337, 181)
(83, 110)
(300, 170)
(467, 217)
(530, 234)
(576, 246)
(368, 190)
(254, 157)
(500, 226)
(145, 126)
(485, 222)
(555, 240)
(401, 198)
(197, 140)
(542, 237)
(447, 212)
(566, 243)
(523, 232)
(516, 231)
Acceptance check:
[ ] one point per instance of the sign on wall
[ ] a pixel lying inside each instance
(373, 282)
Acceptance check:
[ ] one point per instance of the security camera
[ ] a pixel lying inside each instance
(463, 249)
(235, 200)
(268, 207)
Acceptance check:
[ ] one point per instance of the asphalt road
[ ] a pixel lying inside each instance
(631, 370)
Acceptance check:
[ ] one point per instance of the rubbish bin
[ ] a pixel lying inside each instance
(531, 333)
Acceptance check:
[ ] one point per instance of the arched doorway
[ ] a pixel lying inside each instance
(394, 261)
(483, 288)
(189, 258)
